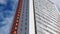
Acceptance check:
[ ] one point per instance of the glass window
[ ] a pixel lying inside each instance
(25, 32)
(25, 23)
(25, 28)
(21, 20)
(21, 24)
(21, 29)
(26, 19)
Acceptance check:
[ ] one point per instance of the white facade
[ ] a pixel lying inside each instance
(46, 15)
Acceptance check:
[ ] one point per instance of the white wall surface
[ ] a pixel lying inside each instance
(31, 18)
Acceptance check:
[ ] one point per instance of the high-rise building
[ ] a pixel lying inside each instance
(38, 17)
(23, 27)
(46, 17)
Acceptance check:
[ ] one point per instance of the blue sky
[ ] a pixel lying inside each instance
(7, 11)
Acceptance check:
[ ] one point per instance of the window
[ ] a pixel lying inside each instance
(21, 20)
(25, 28)
(21, 29)
(25, 23)
(22, 17)
(26, 19)
(21, 24)
(25, 32)
(23, 11)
